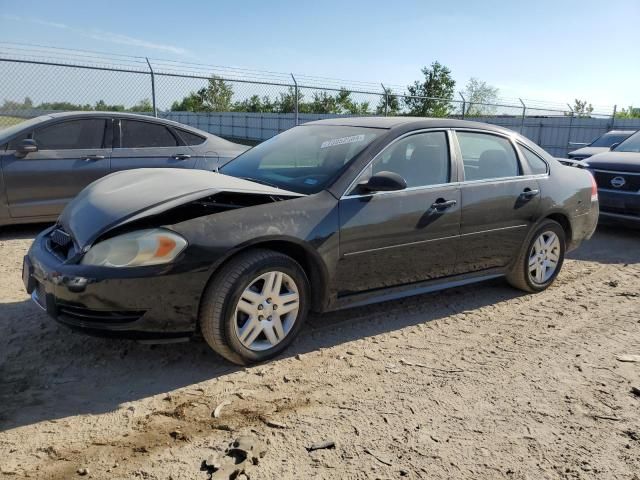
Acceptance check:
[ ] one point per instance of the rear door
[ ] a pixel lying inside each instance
(500, 201)
(71, 154)
(148, 144)
(405, 236)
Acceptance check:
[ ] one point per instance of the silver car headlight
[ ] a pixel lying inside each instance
(135, 249)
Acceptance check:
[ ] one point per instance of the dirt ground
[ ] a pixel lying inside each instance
(475, 382)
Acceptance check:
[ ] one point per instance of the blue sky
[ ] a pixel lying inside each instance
(544, 50)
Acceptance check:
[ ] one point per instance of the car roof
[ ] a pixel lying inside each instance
(132, 116)
(407, 122)
(621, 132)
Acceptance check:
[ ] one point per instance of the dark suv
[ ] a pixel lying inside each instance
(617, 174)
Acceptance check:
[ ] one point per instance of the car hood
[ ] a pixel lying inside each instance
(129, 195)
(615, 161)
(587, 151)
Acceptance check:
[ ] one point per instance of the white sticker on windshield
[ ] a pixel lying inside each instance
(341, 141)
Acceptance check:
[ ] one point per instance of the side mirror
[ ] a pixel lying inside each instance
(383, 182)
(26, 147)
(612, 147)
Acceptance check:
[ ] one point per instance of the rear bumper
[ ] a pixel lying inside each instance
(141, 303)
(583, 226)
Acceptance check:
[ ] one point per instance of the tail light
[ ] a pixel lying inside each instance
(594, 189)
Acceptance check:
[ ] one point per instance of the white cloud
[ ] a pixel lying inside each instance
(101, 35)
(134, 42)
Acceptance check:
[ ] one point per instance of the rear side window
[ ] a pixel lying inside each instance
(72, 135)
(191, 138)
(145, 134)
(487, 156)
(537, 165)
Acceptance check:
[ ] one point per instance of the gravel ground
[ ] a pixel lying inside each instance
(475, 382)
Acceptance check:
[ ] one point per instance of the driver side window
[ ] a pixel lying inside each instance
(421, 159)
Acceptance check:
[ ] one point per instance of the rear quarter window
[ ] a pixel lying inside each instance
(189, 138)
(536, 164)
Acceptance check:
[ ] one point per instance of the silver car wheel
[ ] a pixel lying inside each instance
(544, 257)
(266, 311)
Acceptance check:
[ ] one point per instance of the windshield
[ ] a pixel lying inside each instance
(631, 144)
(304, 159)
(609, 139)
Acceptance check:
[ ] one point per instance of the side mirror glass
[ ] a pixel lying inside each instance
(383, 182)
(612, 147)
(26, 147)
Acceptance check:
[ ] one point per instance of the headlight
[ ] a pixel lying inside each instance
(136, 249)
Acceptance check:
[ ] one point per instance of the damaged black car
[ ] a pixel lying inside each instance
(331, 214)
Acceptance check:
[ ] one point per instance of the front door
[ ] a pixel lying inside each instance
(500, 203)
(71, 154)
(146, 144)
(407, 236)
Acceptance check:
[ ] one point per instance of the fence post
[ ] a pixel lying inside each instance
(153, 88)
(386, 100)
(569, 136)
(464, 104)
(524, 112)
(296, 107)
(613, 116)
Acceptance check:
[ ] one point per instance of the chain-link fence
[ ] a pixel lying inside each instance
(251, 105)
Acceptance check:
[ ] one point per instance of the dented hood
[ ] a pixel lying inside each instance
(129, 195)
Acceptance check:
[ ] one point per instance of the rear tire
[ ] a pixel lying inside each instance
(540, 259)
(255, 306)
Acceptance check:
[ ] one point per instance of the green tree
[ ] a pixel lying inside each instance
(143, 105)
(388, 104)
(215, 97)
(581, 108)
(631, 112)
(479, 96)
(101, 106)
(438, 85)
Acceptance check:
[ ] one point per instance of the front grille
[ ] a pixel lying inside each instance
(60, 244)
(61, 238)
(631, 180)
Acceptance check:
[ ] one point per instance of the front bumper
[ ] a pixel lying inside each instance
(619, 206)
(143, 302)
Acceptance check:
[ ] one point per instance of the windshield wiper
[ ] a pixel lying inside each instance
(262, 182)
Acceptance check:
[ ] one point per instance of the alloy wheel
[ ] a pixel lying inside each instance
(544, 257)
(266, 311)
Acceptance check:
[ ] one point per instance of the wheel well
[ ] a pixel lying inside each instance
(564, 223)
(311, 266)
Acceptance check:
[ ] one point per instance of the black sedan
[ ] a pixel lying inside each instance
(331, 214)
(46, 161)
(617, 174)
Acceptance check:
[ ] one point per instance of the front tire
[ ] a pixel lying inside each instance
(540, 259)
(255, 306)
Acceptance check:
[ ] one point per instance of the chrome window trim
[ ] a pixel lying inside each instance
(506, 179)
(369, 250)
(444, 130)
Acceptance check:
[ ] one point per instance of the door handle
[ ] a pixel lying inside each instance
(442, 204)
(91, 158)
(182, 156)
(528, 193)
